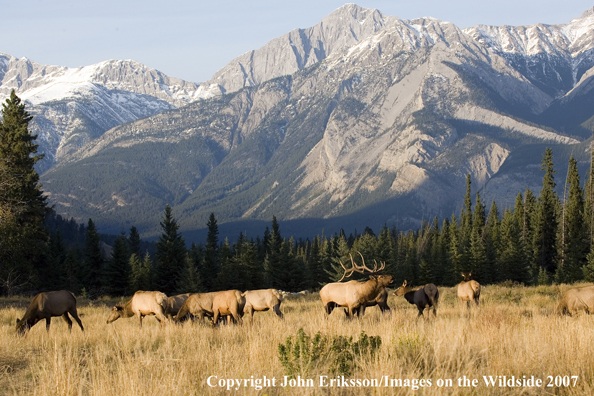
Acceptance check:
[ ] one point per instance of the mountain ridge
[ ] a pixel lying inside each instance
(398, 113)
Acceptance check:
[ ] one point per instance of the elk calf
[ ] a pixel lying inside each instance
(424, 297)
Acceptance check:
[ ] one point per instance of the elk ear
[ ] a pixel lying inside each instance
(404, 283)
(18, 321)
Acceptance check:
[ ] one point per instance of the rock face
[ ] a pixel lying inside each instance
(72, 107)
(363, 117)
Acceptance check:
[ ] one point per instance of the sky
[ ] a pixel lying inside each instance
(192, 39)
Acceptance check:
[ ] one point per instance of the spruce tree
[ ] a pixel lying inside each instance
(170, 255)
(93, 262)
(212, 260)
(23, 207)
(545, 219)
(573, 232)
(117, 271)
(134, 241)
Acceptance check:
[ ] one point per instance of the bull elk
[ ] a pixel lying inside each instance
(576, 300)
(48, 304)
(354, 294)
(141, 304)
(423, 297)
(469, 290)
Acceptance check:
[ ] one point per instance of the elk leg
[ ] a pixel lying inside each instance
(75, 316)
(67, 320)
(277, 311)
(329, 308)
(48, 321)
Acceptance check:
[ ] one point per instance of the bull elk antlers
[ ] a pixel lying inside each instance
(361, 268)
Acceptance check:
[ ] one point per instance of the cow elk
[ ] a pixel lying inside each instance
(423, 297)
(354, 294)
(174, 303)
(262, 300)
(228, 303)
(48, 304)
(579, 299)
(469, 290)
(141, 304)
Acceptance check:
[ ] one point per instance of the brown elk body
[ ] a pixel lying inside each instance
(174, 303)
(423, 297)
(262, 300)
(48, 304)
(228, 303)
(353, 294)
(197, 305)
(381, 301)
(141, 304)
(577, 300)
(469, 290)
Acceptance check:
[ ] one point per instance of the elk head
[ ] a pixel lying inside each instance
(402, 290)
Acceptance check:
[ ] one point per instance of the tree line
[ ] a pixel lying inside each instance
(544, 238)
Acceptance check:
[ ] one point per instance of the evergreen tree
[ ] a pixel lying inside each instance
(212, 264)
(190, 281)
(134, 242)
(22, 205)
(170, 255)
(512, 261)
(492, 240)
(93, 262)
(589, 201)
(478, 254)
(273, 266)
(140, 273)
(117, 271)
(573, 232)
(545, 218)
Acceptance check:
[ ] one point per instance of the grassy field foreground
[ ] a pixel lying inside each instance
(514, 333)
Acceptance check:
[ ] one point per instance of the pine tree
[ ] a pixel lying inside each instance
(212, 264)
(93, 262)
(190, 281)
(478, 254)
(545, 218)
(117, 271)
(273, 265)
(23, 207)
(573, 233)
(140, 273)
(170, 255)
(134, 241)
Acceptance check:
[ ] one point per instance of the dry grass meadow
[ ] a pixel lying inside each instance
(513, 333)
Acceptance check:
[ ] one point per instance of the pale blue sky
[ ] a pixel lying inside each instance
(192, 39)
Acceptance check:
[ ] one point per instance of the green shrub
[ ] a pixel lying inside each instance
(302, 354)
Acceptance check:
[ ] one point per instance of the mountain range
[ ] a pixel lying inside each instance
(362, 120)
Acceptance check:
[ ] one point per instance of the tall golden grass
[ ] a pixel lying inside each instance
(514, 332)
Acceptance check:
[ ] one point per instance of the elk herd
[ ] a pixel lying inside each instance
(231, 305)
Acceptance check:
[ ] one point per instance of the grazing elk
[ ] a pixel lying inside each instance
(141, 304)
(228, 303)
(262, 300)
(424, 297)
(201, 305)
(576, 300)
(469, 290)
(48, 304)
(197, 305)
(354, 294)
(174, 303)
